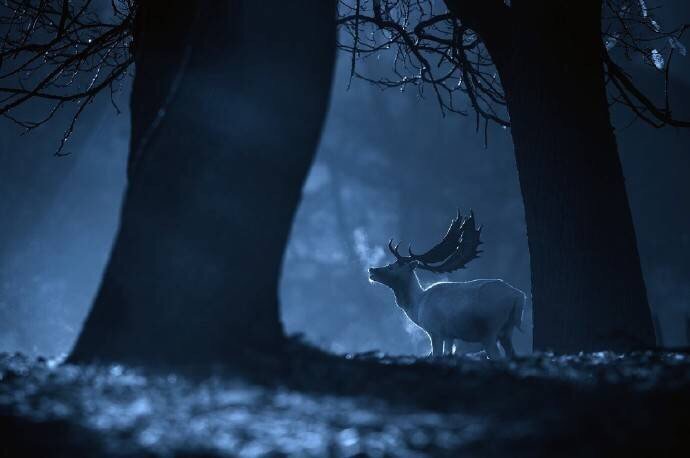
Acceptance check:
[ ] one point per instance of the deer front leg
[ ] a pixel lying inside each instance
(447, 347)
(436, 345)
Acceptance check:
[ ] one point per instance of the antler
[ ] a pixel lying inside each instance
(458, 247)
(394, 250)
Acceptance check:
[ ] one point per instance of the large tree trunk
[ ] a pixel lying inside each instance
(587, 285)
(227, 108)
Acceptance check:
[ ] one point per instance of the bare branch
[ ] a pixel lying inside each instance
(59, 54)
(632, 32)
(427, 49)
(645, 109)
(454, 52)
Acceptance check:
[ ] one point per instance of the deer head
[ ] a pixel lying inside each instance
(458, 247)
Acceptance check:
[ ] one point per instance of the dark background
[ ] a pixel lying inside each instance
(389, 165)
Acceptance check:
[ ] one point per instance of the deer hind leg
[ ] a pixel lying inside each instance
(458, 347)
(491, 347)
(506, 339)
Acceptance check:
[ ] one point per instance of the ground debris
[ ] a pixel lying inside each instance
(371, 404)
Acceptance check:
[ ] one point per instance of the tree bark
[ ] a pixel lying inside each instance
(587, 285)
(227, 108)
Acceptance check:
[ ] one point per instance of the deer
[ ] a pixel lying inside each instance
(483, 310)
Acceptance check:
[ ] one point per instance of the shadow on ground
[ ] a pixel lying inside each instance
(311, 404)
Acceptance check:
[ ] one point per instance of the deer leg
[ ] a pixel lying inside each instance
(491, 348)
(447, 347)
(456, 346)
(436, 345)
(506, 340)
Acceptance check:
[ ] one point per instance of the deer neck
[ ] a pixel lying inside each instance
(407, 292)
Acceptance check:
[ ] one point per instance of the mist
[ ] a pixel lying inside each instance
(390, 165)
(218, 260)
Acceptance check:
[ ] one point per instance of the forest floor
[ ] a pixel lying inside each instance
(600, 404)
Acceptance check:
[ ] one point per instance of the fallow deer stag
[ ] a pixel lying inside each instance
(484, 311)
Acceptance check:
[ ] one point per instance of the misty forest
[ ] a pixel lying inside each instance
(344, 228)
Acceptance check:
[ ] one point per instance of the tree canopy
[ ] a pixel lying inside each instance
(64, 54)
(453, 49)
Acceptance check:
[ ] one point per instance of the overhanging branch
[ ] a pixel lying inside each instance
(637, 101)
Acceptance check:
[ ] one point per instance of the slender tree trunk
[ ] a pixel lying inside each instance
(227, 108)
(587, 284)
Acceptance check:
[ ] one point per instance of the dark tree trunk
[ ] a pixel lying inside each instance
(227, 108)
(587, 285)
